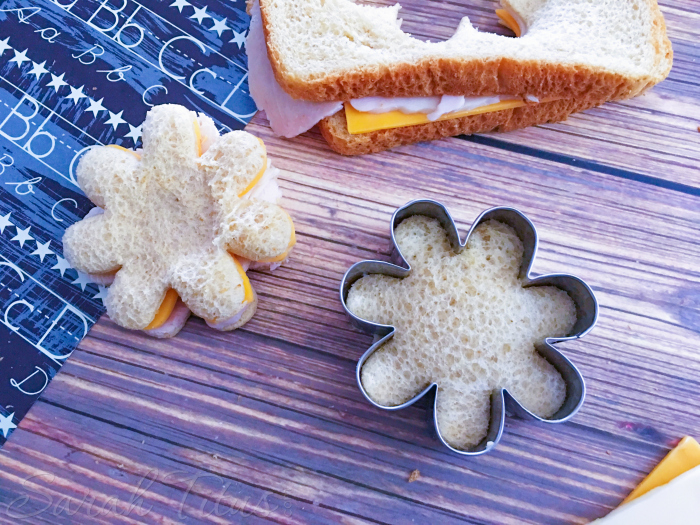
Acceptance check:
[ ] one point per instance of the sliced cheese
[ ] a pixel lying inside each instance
(165, 309)
(360, 122)
(248, 289)
(256, 179)
(675, 503)
(684, 457)
(260, 174)
(279, 258)
(509, 21)
(198, 137)
(124, 149)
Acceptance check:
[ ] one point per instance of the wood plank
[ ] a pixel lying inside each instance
(125, 488)
(298, 402)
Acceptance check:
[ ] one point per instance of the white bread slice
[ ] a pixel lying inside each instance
(465, 322)
(590, 50)
(168, 216)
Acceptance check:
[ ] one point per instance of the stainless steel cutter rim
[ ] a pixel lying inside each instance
(502, 401)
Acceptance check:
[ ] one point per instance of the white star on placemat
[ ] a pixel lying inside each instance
(42, 250)
(115, 119)
(238, 38)
(4, 46)
(219, 26)
(57, 82)
(180, 4)
(20, 58)
(199, 14)
(102, 294)
(38, 69)
(96, 107)
(22, 236)
(61, 265)
(134, 133)
(6, 424)
(5, 222)
(83, 280)
(76, 94)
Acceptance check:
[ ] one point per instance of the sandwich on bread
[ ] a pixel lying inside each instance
(371, 87)
(178, 223)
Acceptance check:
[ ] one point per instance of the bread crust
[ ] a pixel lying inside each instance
(335, 129)
(247, 315)
(504, 76)
(662, 44)
(444, 76)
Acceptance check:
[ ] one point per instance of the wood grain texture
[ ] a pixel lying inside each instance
(267, 424)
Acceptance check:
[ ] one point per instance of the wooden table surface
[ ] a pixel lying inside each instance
(267, 423)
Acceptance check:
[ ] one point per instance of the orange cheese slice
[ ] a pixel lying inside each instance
(256, 179)
(171, 297)
(364, 122)
(509, 21)
(165, 309)
(198, 137)
(260, 174)
(279, 258)
(124, 149)
(248, 289)
(681, 459)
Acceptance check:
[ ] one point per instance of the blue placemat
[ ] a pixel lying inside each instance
(74, 74)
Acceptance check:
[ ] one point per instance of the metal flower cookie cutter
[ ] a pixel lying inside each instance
(502, 402)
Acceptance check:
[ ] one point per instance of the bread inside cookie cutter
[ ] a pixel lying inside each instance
(502, 402)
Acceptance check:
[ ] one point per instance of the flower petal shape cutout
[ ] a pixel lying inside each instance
(177, 215)
(502, 401)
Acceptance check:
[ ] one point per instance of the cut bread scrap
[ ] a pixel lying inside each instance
(465, 322)
(359, 122)
(330, 50)
(508, 20)
(166, 308)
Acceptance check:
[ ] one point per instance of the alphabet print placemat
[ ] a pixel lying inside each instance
(75, 74)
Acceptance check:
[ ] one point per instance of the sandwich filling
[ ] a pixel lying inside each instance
(174, 322)
(290, 117)
(166, 308)
(511, 21)
(375, 113)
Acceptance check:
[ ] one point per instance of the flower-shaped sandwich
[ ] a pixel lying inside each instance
(467, 318)
(178, 223)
